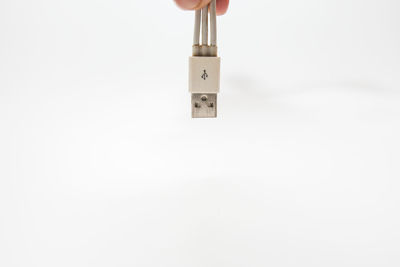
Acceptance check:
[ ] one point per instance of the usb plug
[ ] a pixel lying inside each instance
(204, 65)
(204, 81)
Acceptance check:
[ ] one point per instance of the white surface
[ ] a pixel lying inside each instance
(101, 165)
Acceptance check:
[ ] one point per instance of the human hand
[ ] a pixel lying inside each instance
(222, 5)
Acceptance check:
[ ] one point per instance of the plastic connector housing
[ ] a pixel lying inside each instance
(204, 75)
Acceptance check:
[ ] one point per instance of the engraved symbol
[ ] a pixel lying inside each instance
(205, 75)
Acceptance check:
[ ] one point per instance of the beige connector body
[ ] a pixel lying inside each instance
(204, 75)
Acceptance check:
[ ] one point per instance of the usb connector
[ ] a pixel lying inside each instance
(204, 66)
(204, 73)
(204, 105)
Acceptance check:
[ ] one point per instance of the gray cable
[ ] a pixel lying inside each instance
(213, 22)
(197, 22)
(204, 25)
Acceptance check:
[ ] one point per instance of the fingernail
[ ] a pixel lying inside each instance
(188, 4)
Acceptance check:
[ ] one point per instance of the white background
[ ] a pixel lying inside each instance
(101, 165)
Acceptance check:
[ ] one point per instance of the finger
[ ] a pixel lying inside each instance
(191, 4)
(222, 6)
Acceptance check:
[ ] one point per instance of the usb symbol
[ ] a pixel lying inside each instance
(205, 75)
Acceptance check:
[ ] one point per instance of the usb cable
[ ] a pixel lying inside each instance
(204, 65)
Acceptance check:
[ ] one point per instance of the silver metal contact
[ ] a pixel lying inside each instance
(204, 105)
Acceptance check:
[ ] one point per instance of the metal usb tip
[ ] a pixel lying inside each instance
(204, 106)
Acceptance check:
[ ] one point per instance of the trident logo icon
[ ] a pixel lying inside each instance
(205, 75)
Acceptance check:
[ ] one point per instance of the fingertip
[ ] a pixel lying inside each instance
(188, 4)
(222, 7)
